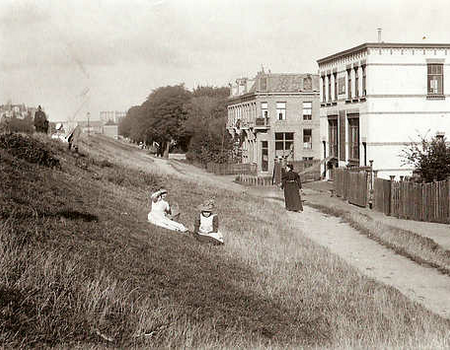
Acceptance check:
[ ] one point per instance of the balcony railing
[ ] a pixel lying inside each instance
(261, 123)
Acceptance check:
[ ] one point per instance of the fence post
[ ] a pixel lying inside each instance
(392, 205)
(371, 190)
(448, 199)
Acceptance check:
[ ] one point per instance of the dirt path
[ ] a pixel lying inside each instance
(421, 284)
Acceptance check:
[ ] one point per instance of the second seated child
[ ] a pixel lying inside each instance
(206, 225)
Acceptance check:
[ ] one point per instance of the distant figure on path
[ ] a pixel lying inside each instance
(40, 121)
(292, 185)
(278, 171)
(206, 225)
(161, 213)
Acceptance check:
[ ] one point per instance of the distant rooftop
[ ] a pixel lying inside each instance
(365, 46)
(275, 82)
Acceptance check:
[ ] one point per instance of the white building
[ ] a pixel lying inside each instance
(112, 117)
(378, 97)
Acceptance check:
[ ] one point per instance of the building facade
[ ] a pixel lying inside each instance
(19, 111)
(377, 98)
(275, 115)
(112, 117)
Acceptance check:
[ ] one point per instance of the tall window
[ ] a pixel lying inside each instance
(307, 138)
(333, 137)
(264, 156)
(356, 82)
(349, 84)
(364, 92)
(324, 95)
(353, 136)
(307, 110)
(329, 88)
(264, 111)
(335, 86)
(284, 144)
(435, 79)
(281, 110)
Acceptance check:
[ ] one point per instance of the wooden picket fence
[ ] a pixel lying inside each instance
(231, 168)
(252, 180)
(428, 202)
(352, 185)
(382, 196)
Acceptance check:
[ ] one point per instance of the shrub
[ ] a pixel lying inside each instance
(431, 159)
(28, 149)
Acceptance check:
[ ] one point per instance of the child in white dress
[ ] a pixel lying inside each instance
(160, 214)
(206, 225)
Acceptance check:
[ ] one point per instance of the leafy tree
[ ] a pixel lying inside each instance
(126, 124)
(206, 125)
(431, 159)
(162, 116)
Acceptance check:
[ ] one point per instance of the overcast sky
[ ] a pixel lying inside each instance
(52, 52)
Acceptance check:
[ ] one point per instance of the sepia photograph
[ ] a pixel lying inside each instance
(225, 174)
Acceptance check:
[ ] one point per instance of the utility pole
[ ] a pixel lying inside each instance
(89, 128)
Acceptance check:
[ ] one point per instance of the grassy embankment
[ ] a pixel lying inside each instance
(81, 267)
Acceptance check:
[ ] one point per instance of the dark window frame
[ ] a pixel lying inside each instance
(353, 138)
(349, 84)
(435, 72)
(310, 142)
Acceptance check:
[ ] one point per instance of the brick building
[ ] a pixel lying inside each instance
(275, 115)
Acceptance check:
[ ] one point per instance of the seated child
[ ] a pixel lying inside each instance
(161, 213)
(206, 226)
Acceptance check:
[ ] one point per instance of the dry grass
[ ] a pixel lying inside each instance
(81, 268)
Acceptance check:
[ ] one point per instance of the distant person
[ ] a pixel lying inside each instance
(278, 171)
(40, 121)
(206, 225)
(161, 213)
(292, 185)
(74, 138)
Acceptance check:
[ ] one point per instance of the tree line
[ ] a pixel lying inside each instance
(193, 122)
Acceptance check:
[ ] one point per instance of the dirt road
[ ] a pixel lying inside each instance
(421, 284)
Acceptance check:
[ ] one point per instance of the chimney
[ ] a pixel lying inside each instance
(379, 34)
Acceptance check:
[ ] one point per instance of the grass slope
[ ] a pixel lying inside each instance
(81, 267)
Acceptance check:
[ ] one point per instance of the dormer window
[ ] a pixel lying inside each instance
(263, 84)
(307, 83)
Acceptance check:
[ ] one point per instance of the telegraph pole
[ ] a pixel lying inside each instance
(89, 128)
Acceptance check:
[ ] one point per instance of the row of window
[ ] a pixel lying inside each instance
(284, 141)
(337, 86)
(281, 110)
(284, 146)
(435, 83)
(353, 138)
(307, 108)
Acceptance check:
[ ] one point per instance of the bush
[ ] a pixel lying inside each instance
(431, 159)
(28, 149)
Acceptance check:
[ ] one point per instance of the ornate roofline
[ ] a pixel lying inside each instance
(365, 46)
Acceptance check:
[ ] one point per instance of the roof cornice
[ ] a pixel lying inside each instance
(365, 46)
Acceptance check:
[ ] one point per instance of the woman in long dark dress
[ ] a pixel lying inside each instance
(291, 184)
